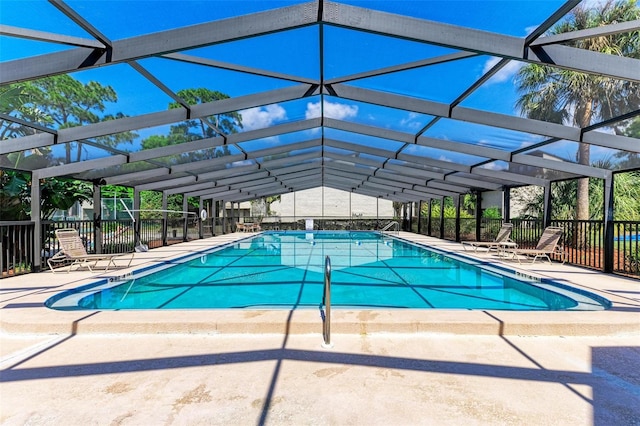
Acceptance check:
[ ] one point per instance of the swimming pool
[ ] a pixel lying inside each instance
(285, 270)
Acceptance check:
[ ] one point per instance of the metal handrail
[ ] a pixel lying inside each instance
(392, 224)
(326, 301)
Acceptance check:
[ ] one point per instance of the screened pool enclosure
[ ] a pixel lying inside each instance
(408, 101)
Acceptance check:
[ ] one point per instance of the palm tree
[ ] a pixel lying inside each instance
(578, 99)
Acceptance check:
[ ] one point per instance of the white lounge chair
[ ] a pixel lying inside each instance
(548, 244)
(501, 241)
(72, 251)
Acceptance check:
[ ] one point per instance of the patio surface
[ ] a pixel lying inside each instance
(268, 367)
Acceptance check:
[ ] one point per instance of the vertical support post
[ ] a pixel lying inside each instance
(215, 212)
(215, 215)
(608, 221)
(429, 214)
(97, 218)
(185, 217)
(506, 207)
(37, 222)
(420, 217)
(478, 212)
(546, 220)
(407, 216)
(200, 221)
(233, 221)
(136, 214)
(165, 218)
(224, 216)
(442, 218)
(351, 221)
(410, 214)
(457, 201)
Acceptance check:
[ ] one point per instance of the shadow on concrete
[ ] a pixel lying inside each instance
(615, 380)
(615, 384)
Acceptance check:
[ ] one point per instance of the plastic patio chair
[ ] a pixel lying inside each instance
(72, 250)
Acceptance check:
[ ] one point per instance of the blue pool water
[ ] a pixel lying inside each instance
(285, 270)
(628, 237)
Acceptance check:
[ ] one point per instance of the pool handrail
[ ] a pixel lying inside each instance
(392, 224)
(326, 301)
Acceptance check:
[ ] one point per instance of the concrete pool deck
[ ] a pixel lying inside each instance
(268, 367)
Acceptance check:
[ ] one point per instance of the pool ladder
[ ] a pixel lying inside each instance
(326, 302)
(392, 224)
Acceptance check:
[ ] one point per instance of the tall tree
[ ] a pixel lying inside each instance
(60, 102)
(227, 123)
(630, 160)
(579, 99)
(190, 130)
(15, 101)
(56, 102)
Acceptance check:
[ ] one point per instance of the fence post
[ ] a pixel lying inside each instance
(165, 224)
(442, 218)
(457, 202)
(200, 221)
(214, 217)
(137, 222)
(608, 222)
(97, 218)
(429, 211)
(37, 222)
(546, 218)
(506, 214)
(185, 217)
(224, 216)
(478, 215)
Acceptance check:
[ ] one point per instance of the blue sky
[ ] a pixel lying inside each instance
(346, 52)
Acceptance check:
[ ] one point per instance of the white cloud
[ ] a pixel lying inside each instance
(410, 122)
(261, 117)
(530, 29)
(331, 110)
(495, 165)
(506, 73)
(242, 163)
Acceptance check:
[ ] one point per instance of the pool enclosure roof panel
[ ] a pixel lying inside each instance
(400, 100)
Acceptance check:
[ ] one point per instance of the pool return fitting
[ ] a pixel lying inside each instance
(326, 301)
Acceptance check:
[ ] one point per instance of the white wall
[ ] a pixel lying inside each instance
(522, 195)
(309, 203)
(492, 199)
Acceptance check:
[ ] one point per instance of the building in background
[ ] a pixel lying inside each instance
(328, 202)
